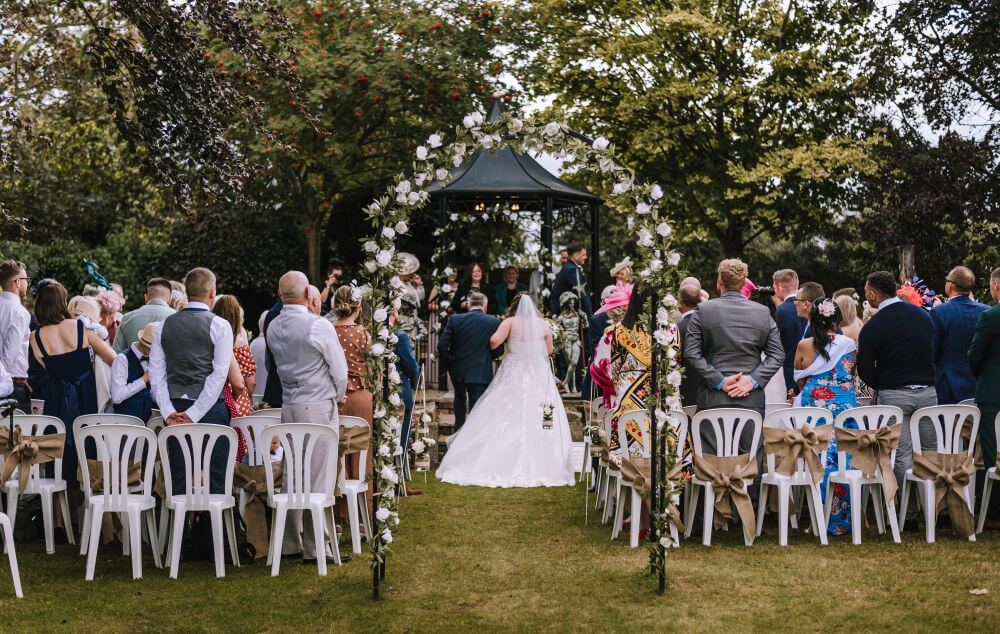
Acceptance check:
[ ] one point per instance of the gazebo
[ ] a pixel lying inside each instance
(517, 181)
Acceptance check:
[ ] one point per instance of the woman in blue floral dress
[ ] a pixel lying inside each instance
(824, 371)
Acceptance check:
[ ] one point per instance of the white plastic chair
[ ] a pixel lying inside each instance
(106, 419)
(946, 421)
(47, 488)
(870, 417)
(116, 444)
(270, 411)
(37, 405)
(770, 408)
(355, 491)
(793, 418)
(155, 424)
(610, 476)
(298, 441)
(991, 475)
(594, 413)
(196, 442)
(727, 425)
(8, 541)
(155, 413)
(258, 446)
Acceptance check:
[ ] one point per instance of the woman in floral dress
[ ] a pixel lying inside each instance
(824, 371)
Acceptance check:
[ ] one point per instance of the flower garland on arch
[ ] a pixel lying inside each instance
(390, 215)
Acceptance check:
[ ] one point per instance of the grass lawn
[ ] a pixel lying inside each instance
(468, 558)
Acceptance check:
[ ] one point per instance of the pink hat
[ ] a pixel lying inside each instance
(748, 287)
(619, 297)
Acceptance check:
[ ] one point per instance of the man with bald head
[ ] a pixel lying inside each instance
(312, 368)
(954, 325)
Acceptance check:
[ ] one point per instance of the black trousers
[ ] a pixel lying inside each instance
(466, 395)
(23, 397)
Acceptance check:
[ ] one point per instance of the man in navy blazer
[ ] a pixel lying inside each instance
(790, 325)
(571, 278)
(954, 325)
(464, 349)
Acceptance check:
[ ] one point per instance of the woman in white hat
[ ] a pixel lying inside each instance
(622, 272)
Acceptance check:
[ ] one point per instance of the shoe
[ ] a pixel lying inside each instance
(411, 491)
(330, 561)
(910, 525)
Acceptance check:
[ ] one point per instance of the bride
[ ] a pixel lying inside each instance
(503, 442)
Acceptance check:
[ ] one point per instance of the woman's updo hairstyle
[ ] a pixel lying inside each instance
(343, 301)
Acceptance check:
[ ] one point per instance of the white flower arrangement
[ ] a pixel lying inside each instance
(382, 514)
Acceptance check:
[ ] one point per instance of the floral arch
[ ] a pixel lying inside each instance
(640, 207)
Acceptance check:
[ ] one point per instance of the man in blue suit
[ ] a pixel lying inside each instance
(571, 278)
(464, 349)
(954, 325)
(790, 325)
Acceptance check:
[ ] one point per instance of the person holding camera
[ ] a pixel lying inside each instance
(334, 280)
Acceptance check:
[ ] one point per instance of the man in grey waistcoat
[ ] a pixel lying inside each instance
(312, 367)
(188, 365)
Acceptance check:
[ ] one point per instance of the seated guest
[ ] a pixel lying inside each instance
(130, 392)
(954, 325)
(155, 309)
(850, 323)
(895, 358)
(508, 290)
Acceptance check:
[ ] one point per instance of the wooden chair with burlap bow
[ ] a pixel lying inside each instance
(725, 476)
(943, 474)
(795, 439)
(870, 435)
(37, 440)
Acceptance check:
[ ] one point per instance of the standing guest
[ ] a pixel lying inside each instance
(954, 325)
(474, 282)
(824, 369)
(258, 348)
(272, 386)
(984, 359)
(461, 349)
(188, 366)
(87, 310)
(6, 383)
(314, 304)
(156, 309)
(896, 358)
(688, 298)
(409, 375)
(130, 391)
(178, 295)
(308, 354)
(243, 369)
(850, 323)
(622, 272)
(805, 297)
(111, 304)
(598, 324)
(335, 278)
(506, 291)
(15, 323)
(62, 346)
(356, 343)
(791, 324)
(776, 390)
(725, 342)
(572, 279)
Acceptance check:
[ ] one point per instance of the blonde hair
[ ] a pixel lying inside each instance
(343, 301)
(733, 273)
(848, 309)
(83, 306)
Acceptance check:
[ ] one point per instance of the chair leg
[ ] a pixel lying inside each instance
(691, 505)
(619, 521)
(708, 515)
(154, 542)
(277, 536)
(815, 501)
(48, 522)
(828, 504)
(135, 542)
(126, 529)
(12, 497)
(319, 524)
(352, 516)
(876, 494)
(985, 504)
(930, 513)
(234, 555)
(176, 537)
(904, 503)
(890, 511)
(636, 515)
(218, 542)
(94, 534)
(783, 497)
(164, 529)
(854, 489)
(366, 516)
(761, 507)
(334, 544)
(63, 497)
(8, 541)
(85, 529)
(793, 518)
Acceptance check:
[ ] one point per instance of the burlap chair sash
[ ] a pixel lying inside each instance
(871, 448)
(727, 475)
(637, 472)
(789, 445)
(27, 451)
(977, 453)
(951, 474)
(354, 439)
(253, 480)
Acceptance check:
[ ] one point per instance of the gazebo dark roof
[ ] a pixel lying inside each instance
(508, 175)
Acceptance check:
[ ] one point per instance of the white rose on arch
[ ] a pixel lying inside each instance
(655, 192)
(371, 266)
(378, 349)
(382, 514)
(384, 258)
(601, 143)
(434, 140)
(388, 232)
(663, 229)
(395, 400)
(421, 153)
(551, 129)
(673, 258)
(380, 314)
(402, 227)
(642, 209)
(389, 474)
(645, 238)
(403, 187)
(370, 246)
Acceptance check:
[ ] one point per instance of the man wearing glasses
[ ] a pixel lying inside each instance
(14, 323)
(954, 325)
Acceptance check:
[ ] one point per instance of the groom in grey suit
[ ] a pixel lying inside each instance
(725, 341)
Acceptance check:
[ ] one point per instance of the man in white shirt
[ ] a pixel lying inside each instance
(14, 329)
(188, 365)
(130, 391)
(313, 370)
(6, 383)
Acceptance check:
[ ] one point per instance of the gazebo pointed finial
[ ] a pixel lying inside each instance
(496, 111)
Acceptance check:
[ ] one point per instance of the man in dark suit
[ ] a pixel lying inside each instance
(984, 359)
(272, 388)
(954, 324)
(688, 298)
(464, 350)
(790, 324)
(571, 278)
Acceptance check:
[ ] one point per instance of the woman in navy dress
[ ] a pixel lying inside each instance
(62, 346)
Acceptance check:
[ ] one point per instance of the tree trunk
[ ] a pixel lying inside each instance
(313, 246)
(907, 269)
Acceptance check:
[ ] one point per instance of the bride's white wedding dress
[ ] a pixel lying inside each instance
(503, 442)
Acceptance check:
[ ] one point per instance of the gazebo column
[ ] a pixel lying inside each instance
(595, 254)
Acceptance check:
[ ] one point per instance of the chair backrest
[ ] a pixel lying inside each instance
(87, 420)
(268, 411)
(38, 425)
(155, 413)
(115, 445)
(773, 407)
(968, 401)
(155, 424)
(298, 442)
(681, 423)
(727, 425)
(258, 446)
(257, 399)
(864, 401)
(795, 418)
(196, 442)
(640, 418)
(690, 410)
(870, 417)
(947, 422)
(356, 421)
